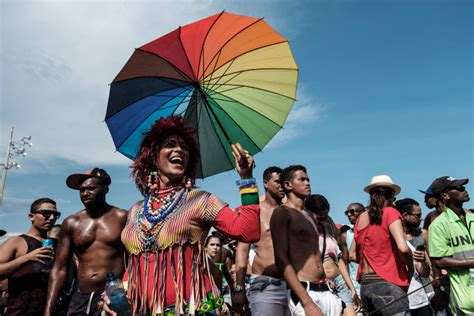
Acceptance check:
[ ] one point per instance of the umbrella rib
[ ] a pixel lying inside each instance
(260, 149)
(235, 101)
(247, 70)
(131, 132)
(201, 54)
(185, 54)
(212, 86)
(239, 73)
(244, 53)
(236, 57)
(171, 64)
(230, 39)
(146, 96)
(236, 86)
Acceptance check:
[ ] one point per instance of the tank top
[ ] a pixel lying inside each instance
(27, 287)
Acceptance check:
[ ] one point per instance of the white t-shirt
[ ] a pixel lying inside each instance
(419, 298)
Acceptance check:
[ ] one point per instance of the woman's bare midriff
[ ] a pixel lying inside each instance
(331, 269)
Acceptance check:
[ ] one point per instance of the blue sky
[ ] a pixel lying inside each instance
(385, 87)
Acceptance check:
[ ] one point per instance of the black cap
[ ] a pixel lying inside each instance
(74, 181)
(443, 184)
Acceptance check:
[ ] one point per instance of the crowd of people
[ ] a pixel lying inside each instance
(182, 250)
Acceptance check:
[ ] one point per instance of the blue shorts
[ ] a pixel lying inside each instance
(342, 290)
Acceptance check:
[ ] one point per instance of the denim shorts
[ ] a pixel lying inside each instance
(375, 294)
(342, 290)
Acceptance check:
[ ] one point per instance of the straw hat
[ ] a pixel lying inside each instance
(382, 181)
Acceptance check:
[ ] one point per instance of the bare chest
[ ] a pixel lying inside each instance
(96, 232)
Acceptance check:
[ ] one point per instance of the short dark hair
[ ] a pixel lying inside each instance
(405, 205)
(358, 205)
(316, 203)
(288, 173)
(267, 173)
(40, 201)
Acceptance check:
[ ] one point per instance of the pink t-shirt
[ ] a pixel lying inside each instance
(376, 245)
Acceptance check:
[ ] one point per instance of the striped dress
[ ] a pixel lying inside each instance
(167, 267)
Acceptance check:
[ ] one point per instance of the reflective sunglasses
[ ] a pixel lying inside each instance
(352, 211)
(47, 213)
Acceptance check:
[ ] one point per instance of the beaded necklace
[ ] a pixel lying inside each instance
(149, 232)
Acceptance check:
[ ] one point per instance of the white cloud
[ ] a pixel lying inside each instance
(57, 61)
(305, 111)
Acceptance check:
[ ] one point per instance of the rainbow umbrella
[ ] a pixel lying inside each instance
(232, 77)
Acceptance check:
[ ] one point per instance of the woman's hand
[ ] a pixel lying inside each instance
(243, 161)
(356, 301)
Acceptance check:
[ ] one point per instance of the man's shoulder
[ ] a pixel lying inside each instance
(440, 222)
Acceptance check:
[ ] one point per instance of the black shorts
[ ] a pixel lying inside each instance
(84, 304)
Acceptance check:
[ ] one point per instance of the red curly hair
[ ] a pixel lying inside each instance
(145, 161)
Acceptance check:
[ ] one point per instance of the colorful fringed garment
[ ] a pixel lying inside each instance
(167, 263)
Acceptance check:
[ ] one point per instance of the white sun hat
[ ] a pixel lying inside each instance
(382, 181)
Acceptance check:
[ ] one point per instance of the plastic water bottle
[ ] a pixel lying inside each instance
(471, 278)
(117, 296)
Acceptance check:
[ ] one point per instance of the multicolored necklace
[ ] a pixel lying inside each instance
(147, 232)
(156, 208)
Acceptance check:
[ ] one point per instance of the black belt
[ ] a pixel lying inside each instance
(316, 287)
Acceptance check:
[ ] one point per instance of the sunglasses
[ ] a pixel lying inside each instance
(417, 215)
(459, 188)
(352, 211)
(48, 214)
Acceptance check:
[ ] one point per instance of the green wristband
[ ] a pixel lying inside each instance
(249, 199)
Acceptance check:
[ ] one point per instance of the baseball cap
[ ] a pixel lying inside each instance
(427, 191)
(75, 180)
(443, 184)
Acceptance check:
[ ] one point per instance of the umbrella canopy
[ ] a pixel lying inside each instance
(233, 78)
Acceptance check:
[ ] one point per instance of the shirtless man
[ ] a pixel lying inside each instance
(268, 292)
(295, 243)
(93, 236)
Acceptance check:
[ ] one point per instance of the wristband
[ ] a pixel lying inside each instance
(249, 199)
(247, 181)
(249, 190)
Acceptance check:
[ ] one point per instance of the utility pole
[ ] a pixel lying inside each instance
(15, 148)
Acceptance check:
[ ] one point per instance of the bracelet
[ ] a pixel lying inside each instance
(249, 190)
(250, 199)
(247, 181)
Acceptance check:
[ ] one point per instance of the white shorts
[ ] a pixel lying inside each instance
(329, 303)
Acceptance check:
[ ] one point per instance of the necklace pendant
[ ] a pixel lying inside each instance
(155, 205)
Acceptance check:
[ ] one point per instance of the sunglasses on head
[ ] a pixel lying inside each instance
(352, 211)
(47, 213)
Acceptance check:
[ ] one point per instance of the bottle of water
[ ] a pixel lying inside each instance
(471, 278)
(117, 296)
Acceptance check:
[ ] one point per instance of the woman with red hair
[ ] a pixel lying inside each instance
(167, 268)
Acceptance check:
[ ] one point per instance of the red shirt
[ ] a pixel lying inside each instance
(377, 246)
